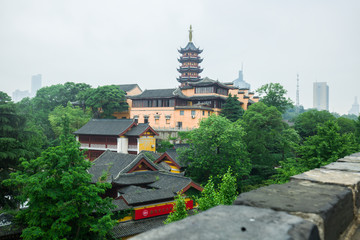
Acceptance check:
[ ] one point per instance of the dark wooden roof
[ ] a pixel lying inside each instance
(159, 93)
(128, 87)
(140, 129)
(190, 47)
(110, 163)
(136, 178)
(147, 196)
(120, 205)
(208, 82)
(107, 127)
(171, 181)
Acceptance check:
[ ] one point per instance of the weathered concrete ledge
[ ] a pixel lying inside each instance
(236, 222)
(327, 201)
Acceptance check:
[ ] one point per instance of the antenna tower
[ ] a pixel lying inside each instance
(297, 94)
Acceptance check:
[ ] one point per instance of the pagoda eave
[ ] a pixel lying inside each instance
(190, 59)
(184, 70)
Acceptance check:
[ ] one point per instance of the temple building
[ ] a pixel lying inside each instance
(185, 106)
(117, 135)
(142, 191)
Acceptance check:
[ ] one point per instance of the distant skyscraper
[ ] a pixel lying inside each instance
(240, 83)
(355, 108)
(18, 95)
(321, 96)
(35, 84)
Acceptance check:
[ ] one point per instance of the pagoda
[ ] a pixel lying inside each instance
(189, 60)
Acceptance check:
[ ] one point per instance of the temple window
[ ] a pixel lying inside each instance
(204, 90)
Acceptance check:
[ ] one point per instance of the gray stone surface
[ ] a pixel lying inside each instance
(344, 166)
(236, 222)
(333, 204)
(342, 178)
(352, 158)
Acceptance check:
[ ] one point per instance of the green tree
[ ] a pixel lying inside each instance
(307, 122)
(287, 168)
(273, 94)
(346, 125)
(62, 202)
(232, 109)
(213, 147)
(209, 196)
(267, 138)
(106, 100)
(77, 118)
(163, 146)
(224, 195)
(179, 209)
(13, 140)
(326, 146)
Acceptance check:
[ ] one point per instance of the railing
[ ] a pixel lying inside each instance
(98, 146)
(132, 147)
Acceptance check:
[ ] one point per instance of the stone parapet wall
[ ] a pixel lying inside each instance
(321, 204)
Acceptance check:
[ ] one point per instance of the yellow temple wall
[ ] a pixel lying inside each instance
(147, 143)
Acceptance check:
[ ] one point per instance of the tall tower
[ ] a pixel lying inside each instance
(297, 94)
(35, 84)
(189, 60)
(321, 96)
(355, 108)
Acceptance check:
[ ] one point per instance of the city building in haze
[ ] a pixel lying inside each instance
(18, 95)
(355, 108)
(35, 84)
(321, 96)
(240, 83)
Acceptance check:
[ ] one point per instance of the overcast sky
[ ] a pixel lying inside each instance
(122, 42)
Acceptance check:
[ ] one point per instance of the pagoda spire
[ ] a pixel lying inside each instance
(190, 34)
(189, 60)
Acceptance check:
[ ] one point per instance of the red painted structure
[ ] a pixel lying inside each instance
(158, 210)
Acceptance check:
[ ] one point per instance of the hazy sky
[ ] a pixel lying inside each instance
(121, 42)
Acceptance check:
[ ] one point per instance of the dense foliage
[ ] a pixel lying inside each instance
(62, 203)
(273, 94)
(224, 194)
(16, 140)
(105, 100)
(214, 146)
(232, 109)
(179, 209)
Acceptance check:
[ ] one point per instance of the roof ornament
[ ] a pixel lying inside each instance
(190, 34)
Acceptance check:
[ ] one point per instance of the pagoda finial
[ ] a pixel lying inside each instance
(190, 34)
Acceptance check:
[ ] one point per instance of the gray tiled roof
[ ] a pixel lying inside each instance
(127, 87)
(171, 181)
(149, 195)
(120, 205)
(174, 156)
(159, 93)
(165, 166)
(109, 127)
(207, 81)
(136, 178)
(190, 47)
(110, 162)
(138, 158)
(152, 155)
(124, 229)
(130, 189)
(139, 129)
